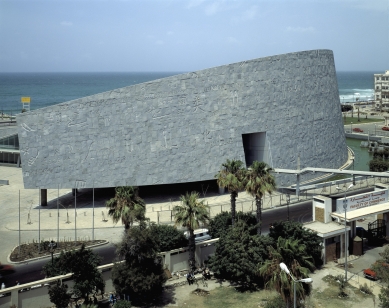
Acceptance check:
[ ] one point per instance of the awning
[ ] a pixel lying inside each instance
(363, 212)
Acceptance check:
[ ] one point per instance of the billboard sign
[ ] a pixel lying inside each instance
(357, 202)
(26, 100)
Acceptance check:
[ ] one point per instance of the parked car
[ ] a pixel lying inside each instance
(361, 232)
(357, 130)
(6, 269)
(200, 235)
(369, 273)
(385, 128)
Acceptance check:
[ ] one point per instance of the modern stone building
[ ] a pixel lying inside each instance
(282, 109)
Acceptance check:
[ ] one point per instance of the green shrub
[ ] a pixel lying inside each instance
(365, 289)
(123, 304)
(222, 222)
(168, 237)
(275, 302)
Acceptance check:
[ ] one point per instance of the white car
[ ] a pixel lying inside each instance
(200, 235)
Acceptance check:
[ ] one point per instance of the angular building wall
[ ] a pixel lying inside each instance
(182, 128)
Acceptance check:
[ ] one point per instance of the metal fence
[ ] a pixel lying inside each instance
(165, 215)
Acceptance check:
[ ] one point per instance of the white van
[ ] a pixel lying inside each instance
(200, 235)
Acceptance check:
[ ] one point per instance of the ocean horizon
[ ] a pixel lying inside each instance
(49, 88)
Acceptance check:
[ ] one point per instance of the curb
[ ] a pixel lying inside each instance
(49, 256)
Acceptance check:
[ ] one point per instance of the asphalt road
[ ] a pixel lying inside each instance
(32, 270)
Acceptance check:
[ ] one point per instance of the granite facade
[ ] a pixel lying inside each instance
(182, 128)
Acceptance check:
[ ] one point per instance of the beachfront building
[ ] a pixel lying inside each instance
(381, 91)
(283, 110)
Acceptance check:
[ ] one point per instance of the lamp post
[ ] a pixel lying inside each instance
(287, 203)
(305, 280)
(345, 229)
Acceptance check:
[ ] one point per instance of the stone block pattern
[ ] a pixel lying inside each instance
(182, 128)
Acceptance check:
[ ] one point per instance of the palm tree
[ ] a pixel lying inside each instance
(231, 177)
(190, 214)
(259, 181)
(126, 206)
(293, 254)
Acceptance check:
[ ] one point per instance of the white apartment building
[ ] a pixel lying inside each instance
(381, 91)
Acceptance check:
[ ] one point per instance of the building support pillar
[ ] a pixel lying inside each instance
(386, 218)
(43, 193)
(342, 250)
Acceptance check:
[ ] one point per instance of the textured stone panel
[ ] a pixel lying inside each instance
(182, 128)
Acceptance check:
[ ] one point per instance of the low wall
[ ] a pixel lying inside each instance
(37, 291)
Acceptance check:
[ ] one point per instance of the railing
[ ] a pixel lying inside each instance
(165, 215)
(8, 123)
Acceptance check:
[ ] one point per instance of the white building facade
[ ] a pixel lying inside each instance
(381, 91)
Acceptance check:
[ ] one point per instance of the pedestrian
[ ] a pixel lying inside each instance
(2, 286)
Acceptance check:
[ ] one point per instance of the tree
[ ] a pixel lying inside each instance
(293, 253)
(126, 206)
(82, 264)
(295, 230)
(259, 181)
(190, 214)
(231, 177)
(58, 294)
(141, 276)
(168, 237)
(221, 223)
(238, 253)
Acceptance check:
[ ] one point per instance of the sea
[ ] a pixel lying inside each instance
(45, 89)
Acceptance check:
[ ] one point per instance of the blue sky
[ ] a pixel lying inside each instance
(187, 35)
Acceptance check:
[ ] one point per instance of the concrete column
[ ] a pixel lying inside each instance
(353, 232)
(15, 297)
(168, 262)
(298, 187)
(198, 255)
(43, 193)
(386, 218)
(342, 254)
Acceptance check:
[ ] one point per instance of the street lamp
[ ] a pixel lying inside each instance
(305, 280)
(287, 202)
(345, 229)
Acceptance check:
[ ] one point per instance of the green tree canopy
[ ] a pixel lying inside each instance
(221, 223)
(295, 230)
(190, 214)
(141, 275)
(126, 206)
(258, 181)
(168, 237)
(238, 253)
(59, 295)
(231, 176)
(82, 264)
(293, 253)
